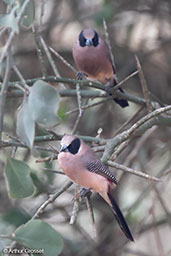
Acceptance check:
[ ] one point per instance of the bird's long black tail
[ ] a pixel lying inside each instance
(123, 103)
(120, 218)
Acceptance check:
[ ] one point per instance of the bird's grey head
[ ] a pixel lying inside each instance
(70, 144)
(88, 37)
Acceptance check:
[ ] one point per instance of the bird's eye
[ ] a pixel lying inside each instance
(74, 146)
(95, 39)
(82, 40)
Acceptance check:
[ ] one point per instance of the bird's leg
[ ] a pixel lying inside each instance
(108, 88)
(85, 192)
(79, 75)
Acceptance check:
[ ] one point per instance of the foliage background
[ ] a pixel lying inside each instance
(135, 27)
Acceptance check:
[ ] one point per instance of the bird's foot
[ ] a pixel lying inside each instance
(79, 76)
(108, 88)
(85, 192)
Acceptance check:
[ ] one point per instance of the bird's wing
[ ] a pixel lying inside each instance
(98, 167)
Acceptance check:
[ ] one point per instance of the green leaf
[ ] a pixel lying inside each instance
(5, 229)
(15, 216)
(62, 112)
(25, 124)
(37, 234)
(19, 182)
(9, 20)
(43, 104)
(29, 14)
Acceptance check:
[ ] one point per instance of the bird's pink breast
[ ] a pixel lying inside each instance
(93, 61)
(80, 175)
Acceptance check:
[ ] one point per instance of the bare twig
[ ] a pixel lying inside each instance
(53, 171)
(3, 92)
(90, 105)
(134, 252)
(75, 211)
(42, 10)
(123, 81)
(39, 50)
(76, 205)
(90, 210)
(157, 235)
(51, 61)
(109, 44)
(79, 107)
(158, 194)
(120, 149)
(50, 200)
(26, 87)
(12, 34)
(128, 121)
(132, 171)
(63, 60)
(131, 132)
(2, 30)
(144, 85)
(139, 144)
(167, 172)
(45, 159)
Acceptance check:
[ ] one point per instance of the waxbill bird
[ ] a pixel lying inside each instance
(92, 58)
(81, 165)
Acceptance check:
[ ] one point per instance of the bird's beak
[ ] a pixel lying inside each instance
(89, 42)
(64, 149)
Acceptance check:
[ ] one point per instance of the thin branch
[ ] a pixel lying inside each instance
(51, 199)
(46, 159)
(168, 214)
(50, 170)
(119, 149)
(39, 50)
(12, 143)
(132, 132)
(79, 107)
(51, 61)
(4, 88)
(42, 10)
(76, 207)
(109, 44)
(91, 213)
(12, 34)
(90, 105)
(167, 172)
(128, 121)
(156, 233)
(136, 253)
(75, 211)
(144, 85)
(131, 171)
(63, 60)
(2, 30)
(123, 81)
(26, 87)
(133, 154)
(5, 236)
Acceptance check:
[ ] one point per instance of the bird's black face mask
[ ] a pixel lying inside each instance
(88, 41)
(72, 148)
